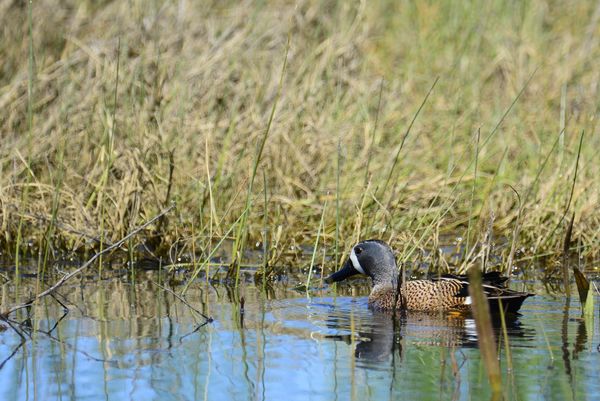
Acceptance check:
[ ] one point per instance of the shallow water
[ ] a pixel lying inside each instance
(136, 341)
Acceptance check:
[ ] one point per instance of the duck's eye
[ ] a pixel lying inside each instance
(358, 250)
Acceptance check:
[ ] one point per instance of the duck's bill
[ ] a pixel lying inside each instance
(346, 271)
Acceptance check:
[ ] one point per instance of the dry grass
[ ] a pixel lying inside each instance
(199, 79)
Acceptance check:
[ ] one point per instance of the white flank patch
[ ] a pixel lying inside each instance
(470, 329)
(468, 301)
(355, 262)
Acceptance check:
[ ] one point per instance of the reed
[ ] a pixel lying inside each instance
(485, 333)
(337, 203)
(473, 187)
(316, 247)
(265, 239)
(107, 103)
(509, 364)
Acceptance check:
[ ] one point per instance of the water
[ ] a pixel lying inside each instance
(136, 341)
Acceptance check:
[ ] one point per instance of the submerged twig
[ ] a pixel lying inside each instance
(12, 354)
(71, 346)
(183, 300)
(193, 331)
(4, 315)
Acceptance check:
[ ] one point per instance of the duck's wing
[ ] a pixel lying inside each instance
(490, 287)
(492, 279)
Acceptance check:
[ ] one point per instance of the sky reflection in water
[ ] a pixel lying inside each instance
(285, 347)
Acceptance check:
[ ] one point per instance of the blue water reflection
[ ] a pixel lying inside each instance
(139, 343)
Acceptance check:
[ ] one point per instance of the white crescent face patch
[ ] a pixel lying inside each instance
(355, 262)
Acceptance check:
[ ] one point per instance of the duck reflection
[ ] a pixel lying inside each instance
(382, 335)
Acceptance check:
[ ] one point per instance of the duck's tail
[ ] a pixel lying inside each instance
(509, 301)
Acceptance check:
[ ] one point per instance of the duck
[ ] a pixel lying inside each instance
(447, 292)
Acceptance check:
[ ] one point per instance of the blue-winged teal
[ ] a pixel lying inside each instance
(376, 259)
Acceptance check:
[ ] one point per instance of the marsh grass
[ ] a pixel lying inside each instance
(126, 104)
(316, 247)
(240, 238)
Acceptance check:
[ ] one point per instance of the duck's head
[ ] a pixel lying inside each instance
(373, 258)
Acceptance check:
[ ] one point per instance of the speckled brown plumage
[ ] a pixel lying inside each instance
(421, 295)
